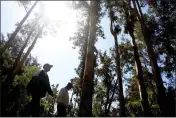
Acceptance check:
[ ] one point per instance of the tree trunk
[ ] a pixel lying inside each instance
(139, 70)
(85, 52)
(8, 43)
(107, 94)
(28, 51)
(86, 97)
(25, 44)
(161, 95)
(76, 100)
(110, 102)
(119, 78)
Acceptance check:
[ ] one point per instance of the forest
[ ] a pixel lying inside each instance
(134, 78)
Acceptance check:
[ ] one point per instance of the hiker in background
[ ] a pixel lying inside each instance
(63, 101)
(38, 87)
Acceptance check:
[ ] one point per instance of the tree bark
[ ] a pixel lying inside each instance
(118, 71)
(85, 52)
(25, 44)
(140, 77)
(29, 50)
(107, 93)
(114, 89)
(8, 43)
(119, 78)
(141, 84)
(161, 95)
(87, 90)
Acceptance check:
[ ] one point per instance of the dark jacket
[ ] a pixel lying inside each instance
(39, 85)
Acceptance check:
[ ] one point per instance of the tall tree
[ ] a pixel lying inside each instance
(84, 52)
(25, 44)
(115, 30)
(130, 19)
(9, 42)
(20, 64)
(156, 70)
(86, 96)
(164, 40)
(81, 40)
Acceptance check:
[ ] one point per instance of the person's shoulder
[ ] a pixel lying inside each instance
(63, 89)
(37, 73)
(43, 72)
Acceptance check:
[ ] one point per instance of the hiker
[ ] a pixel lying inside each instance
(38, 87)
(63, 101)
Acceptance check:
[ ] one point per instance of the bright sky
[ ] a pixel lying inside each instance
(54, 50)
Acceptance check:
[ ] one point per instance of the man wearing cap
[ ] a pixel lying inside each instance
(63, 100)
(38, 87)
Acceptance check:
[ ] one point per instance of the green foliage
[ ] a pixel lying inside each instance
(17, 96)
(24, 4)
(98, 100)
(164, 38)
(76, 85)
(27, 75)
(49, 102)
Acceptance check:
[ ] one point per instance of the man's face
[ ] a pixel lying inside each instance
(47, 68)
(70, 86)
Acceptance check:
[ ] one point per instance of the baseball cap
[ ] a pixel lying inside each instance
(47, 65)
